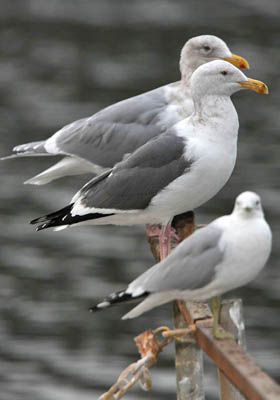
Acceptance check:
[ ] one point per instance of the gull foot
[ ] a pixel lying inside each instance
(221, 334)
(174, 234)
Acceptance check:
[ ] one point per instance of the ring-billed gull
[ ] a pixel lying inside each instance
(97, 143)
(173, 173)
(226, 254)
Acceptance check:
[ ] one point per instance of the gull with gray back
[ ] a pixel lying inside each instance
(174, 172)
(97, 143)
(226, 254)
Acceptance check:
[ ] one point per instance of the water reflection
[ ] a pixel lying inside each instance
(64, 60)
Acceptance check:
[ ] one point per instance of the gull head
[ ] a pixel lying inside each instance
(202, 49)
(248, 205)
(219, 78)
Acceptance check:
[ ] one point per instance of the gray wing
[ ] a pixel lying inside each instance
(135, 181)
(190, 266)
(106, 137)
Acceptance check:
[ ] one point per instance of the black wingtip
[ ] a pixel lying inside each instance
(57, 218)
(41, 227)
(37, 220)
(115, 299)
(55, 215)
(100, 306)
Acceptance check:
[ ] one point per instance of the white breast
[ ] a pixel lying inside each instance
(208, 174)
(247, 247)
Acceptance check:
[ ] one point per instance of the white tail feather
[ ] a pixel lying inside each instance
(152, 301)
(65, 167)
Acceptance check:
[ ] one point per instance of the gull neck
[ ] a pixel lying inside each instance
(213, 106)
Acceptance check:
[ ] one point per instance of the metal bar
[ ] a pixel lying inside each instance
(231, 319)
(239, 368)
(235, 363)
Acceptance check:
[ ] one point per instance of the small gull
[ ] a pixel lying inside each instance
(174, 172)
(226, 254)
(94, 144)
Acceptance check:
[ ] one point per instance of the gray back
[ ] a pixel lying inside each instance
(190, 266)
(136, 180)
(106, 137)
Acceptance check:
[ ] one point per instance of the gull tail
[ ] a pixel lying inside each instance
(116, 299)
(66, 167)
(28, 150)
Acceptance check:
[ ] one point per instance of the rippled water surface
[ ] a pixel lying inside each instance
(63, 60)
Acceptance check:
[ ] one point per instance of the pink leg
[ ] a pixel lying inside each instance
(164, 233)
(164, 241)
(153, 229)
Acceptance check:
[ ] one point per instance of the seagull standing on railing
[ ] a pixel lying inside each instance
(97, 143)
(226, 254)
(174, 172)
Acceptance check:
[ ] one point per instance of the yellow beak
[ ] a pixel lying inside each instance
(256, 86)
(238, 61)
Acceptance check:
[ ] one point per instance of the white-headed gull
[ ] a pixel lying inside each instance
(226, 254)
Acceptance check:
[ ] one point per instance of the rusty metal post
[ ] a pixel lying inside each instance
(189, 357)
(231, 319)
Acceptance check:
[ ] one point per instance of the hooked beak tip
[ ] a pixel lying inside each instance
(237, 61)
(255, 85)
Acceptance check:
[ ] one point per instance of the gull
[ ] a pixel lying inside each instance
(97, 143)
(174, 172)
(226, 254)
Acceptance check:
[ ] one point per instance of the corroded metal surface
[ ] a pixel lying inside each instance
(233, 361)
(149, 347)
(189, 363)
(184, 224)
(237, 365)
(147, 343)
(189, 357)
(232, 320)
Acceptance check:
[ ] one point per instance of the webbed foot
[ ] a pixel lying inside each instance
(221, 334)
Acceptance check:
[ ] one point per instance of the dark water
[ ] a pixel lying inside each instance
(63, 60)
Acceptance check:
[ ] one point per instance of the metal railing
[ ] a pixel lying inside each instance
(239, 376)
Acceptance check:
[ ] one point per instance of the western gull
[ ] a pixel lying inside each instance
(174, 172)
(226, 254)
(94, 144)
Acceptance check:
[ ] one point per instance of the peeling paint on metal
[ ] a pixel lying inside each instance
(236, 316)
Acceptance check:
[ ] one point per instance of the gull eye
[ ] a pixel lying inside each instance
(206, 48)
(224, 73)
(257, 202)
